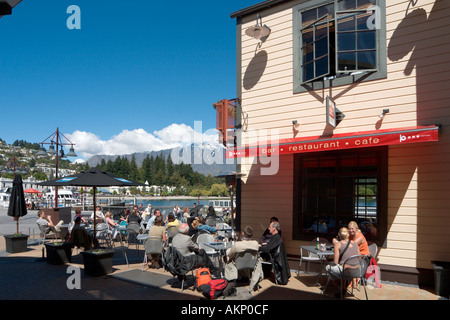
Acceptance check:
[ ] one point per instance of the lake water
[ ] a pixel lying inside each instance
(168, 203)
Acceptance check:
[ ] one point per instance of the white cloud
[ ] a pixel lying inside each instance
(126, 142)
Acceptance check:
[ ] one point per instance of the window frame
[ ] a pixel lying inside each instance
(323, 82)
(298, 232)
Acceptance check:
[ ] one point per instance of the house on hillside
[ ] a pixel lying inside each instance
(343, 114)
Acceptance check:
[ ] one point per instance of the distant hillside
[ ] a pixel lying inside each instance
(204, 159)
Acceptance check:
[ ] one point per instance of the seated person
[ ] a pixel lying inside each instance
(47, 224)
(172, 221)
(134, 217)
(204, 227)
(79, 236)
(111, 223)
(99, 217)
(344, 248)
(157, 230)
(78, 214)
(274, 240)
(151, 221)
(275, 250)
(231, 273)
(186, 247)
(267, 235)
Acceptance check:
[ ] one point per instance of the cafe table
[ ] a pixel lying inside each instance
(221, 248)
(323, 255)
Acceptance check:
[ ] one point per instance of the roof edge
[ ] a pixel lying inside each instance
(257, 7)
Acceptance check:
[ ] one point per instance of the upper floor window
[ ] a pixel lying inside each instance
(338, 39)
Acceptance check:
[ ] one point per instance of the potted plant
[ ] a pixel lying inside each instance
(97, 262)
(16, 242)
(58, 252)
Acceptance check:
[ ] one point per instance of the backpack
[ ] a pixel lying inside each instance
(214, 288)
(202, 276)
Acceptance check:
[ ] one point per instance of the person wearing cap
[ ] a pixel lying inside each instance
(231, 272)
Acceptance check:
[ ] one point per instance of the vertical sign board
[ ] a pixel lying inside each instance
(331, 112)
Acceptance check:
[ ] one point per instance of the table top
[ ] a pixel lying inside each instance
(218, 245)
(319, 252)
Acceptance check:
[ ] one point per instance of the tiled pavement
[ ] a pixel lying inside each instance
(26, 276)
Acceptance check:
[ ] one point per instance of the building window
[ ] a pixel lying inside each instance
(338, 42)
(332, 189)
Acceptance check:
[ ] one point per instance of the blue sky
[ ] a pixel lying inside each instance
(134, 73)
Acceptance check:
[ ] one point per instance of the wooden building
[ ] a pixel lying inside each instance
(343, 113)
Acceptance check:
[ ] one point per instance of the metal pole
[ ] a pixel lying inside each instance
(56, 168)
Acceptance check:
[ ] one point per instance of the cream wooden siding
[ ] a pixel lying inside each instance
(416, 91)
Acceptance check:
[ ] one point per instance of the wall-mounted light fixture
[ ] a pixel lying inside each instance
(385, 111)
(259, 32)
(295, 127)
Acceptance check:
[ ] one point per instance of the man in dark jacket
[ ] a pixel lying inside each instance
(277, 252)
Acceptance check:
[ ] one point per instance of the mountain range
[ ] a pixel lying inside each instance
(204, 158)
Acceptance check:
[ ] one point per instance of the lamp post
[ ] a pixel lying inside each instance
(59, 140)
(13, 165)
(231, 181)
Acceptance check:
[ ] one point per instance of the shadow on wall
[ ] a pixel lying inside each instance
(425, 37)
(255, 70)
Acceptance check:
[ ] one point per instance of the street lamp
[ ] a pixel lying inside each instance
(231, 181)
(12, 168)
(59, 140)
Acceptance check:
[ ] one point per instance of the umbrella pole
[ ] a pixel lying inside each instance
(17, 225)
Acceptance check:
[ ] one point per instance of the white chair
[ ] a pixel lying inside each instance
(153, 247)
(115, 234)
(103, 234)
(309, 256)
(246, 260)
(373, 249)
(207, 238)
(44, 232)
(171, 232)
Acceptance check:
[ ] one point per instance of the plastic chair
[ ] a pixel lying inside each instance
(354, 267)
(373, 249)
(246, 260)
(211, 221)
(44, 232)
(153, 246)
(132, 233)
(207, 238)
(309, 256)
(171, 232)
(103, 234)
(116, 234)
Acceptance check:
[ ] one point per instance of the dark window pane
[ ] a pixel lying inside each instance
(308, 72)
(322, 47)
(346, 23)
(367, 60)
(346, 41)
(326, 10)
(308, 54)
(346, 61)
(307, 36)
(366, 40)
(309, 17)
(361, 22)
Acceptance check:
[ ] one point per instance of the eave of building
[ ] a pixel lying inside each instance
(257, 8)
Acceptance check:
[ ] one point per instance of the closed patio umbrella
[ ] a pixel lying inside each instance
(94, 178)
(17, 206)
